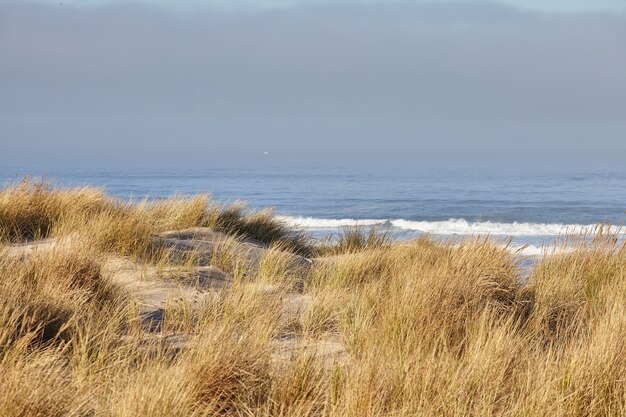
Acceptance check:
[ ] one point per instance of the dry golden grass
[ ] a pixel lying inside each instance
(428, 328)
(260, 225)
(352, 240)
(31, 210)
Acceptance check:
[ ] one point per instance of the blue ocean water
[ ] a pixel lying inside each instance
(531, 205)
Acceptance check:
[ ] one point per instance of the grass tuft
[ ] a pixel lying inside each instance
(353, 240)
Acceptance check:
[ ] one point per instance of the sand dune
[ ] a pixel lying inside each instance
(153, 287)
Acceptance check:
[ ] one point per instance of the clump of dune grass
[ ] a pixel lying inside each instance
(570, 289)
(44, 294)
(261, 225)
(38, 384)
(322, 315)
(352, 240)
(177, 212)
(279, 266)
(32, 210)
(420, 328)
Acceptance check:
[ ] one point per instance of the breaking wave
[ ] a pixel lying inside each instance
(447, 227)
(463, 227)
(538, 251)
(314, 223)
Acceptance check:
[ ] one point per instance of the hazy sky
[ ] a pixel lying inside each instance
(307, 79)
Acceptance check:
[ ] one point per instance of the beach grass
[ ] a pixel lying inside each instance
(37, 209)
(376, 328)
(351, 240)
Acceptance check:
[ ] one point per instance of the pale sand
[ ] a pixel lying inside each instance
(152, 288)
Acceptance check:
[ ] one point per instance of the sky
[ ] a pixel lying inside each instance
(97, 80)
(247, 5)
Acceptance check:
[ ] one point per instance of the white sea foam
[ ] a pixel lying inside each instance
(527, 250)
(463, 227)
(447, 227)
(314, 223)
(538, 251)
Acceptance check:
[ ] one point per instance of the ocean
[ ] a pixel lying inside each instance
(532, 206)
